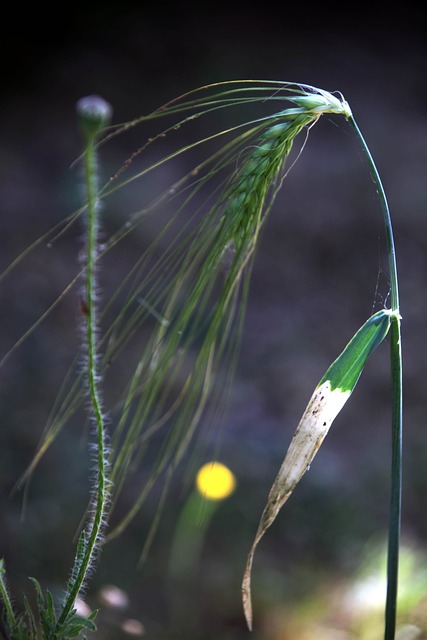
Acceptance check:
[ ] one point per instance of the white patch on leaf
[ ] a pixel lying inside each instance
(323, 407)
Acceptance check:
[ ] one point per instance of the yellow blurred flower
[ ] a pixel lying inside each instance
(215, 481)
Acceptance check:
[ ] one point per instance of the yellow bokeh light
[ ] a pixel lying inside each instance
(215, 481)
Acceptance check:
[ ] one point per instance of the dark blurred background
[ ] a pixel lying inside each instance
(321, 269)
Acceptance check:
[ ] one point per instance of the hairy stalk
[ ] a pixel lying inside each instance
(397, 420)
(4, 595)
(93, 113)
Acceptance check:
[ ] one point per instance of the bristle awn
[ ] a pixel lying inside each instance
(329, 397)
(46, 239)
(150, 283)
(117, 335)
(199, 299)
(313, 100)
(39, 320)
(94, 113)
(397, 403)
(197, 284)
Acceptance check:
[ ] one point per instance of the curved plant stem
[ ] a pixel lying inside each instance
(387, 218)
(91, 537)
(396, 382)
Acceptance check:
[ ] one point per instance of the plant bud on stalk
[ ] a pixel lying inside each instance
(329, 397)
(94, 114)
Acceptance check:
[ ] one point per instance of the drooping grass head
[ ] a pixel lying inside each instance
(186, 293)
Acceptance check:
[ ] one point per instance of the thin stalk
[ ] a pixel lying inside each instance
(91, 129)
(10, 616)
(396, 480)
(397, 422)
(387, 218)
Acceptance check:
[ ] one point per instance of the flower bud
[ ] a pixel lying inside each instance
(94, 114)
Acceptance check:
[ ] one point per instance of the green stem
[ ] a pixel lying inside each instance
(10, 616)
(397, 421)
(396, 475)
(90, 315)
(387, 218)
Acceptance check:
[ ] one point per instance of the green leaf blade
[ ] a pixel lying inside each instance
(345, 371)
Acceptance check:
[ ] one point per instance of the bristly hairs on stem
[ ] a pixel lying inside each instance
(94, 114)
(10, 618)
